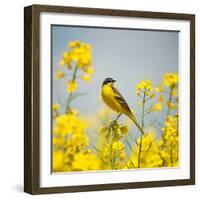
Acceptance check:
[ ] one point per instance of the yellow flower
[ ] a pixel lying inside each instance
(124, 130)
(160, 98)
(62, 63)
(68, 124)
(84, 60)
(59, 74)
(171, 127)
(103, 129)
(117, 146)
(79, 54)
(80, 126)
(58, 161)
(78, 140)
(144, 86)
(157, 107)
(172, 105)
(152, 96)
(73, 111)
(74, 44)
(170, 147)
(84, 162)
(72, 86)
(150, 153)
(122, 155)
(64, 125)
(160, 143)
(169, 120)
(67, 58)
(86, 77)
(58, 141)
(55, 107)
(89, 70)
(115, 129)
(170, 79)
(159, 88)
(87, 47)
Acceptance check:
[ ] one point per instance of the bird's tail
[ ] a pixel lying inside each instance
(131, 116)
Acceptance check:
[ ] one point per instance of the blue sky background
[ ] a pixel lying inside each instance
(125, 55)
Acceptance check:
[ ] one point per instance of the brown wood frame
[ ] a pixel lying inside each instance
(32, 104)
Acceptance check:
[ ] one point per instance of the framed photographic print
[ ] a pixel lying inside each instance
(109, 99)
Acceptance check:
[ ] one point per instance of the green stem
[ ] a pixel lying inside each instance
(142, 126)
(111, 140)
(170, 100)
(110, 148)
(143, 108)
(168, 108)
(71, 94)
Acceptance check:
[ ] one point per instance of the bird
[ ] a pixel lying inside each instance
(114, 100)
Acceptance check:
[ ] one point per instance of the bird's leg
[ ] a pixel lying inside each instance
(118, 116)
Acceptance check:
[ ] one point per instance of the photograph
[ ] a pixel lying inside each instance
(114, 99)
(109, 99)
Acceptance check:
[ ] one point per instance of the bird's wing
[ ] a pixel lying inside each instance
(121, 99)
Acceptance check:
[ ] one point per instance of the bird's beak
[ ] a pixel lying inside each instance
(113, 81)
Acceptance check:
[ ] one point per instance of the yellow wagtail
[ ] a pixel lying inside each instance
(114, 100)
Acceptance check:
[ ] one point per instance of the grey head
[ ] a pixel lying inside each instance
(108, 80)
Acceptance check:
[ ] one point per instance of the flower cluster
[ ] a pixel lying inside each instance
(112, 149)
(55, 107)
(119, 131)
(144, 86)
(170, 79)
(157, 107)
(85, 161)
(72, 86)
(170, 146)
(70, 145)
(149, 157)
(77, 57)
(77, 63)
(80, 53)
(162, 151)
(59, 74)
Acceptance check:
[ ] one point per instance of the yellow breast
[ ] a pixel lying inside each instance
(108, 97)
(107, 90)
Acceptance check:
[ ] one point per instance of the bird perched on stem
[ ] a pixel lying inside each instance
(114, 100)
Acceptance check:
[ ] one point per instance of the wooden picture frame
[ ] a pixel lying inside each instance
(32, 97)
